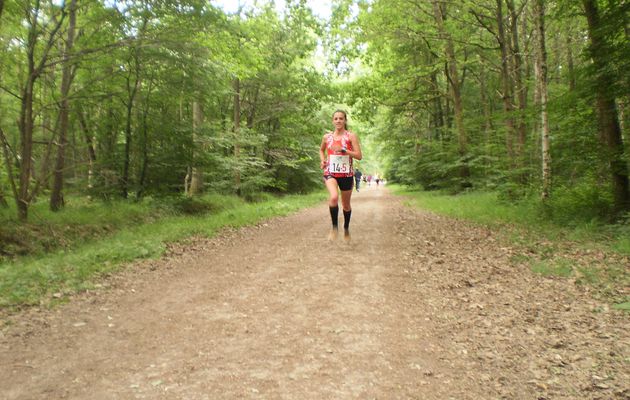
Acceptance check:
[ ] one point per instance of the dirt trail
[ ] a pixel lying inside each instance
(416, 306)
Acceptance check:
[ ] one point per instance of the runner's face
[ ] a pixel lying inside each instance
(339, 120)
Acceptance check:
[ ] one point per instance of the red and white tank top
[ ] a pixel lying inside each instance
(339, 164)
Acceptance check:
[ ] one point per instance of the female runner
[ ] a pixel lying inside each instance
(336, 153)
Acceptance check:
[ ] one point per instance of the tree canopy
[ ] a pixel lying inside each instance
(143, 98)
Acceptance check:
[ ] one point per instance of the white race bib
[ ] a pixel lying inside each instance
(338, 164)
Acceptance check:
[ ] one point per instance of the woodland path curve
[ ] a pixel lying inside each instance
(416, 306)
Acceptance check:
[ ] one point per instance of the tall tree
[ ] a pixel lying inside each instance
(541, 73)
(520, 90)
(132, 83)
(608, 119)
(7, 161)
(439, 11)
(35, 65)
(196, 175)
(237, 134)
(499, 32)
(56, 196)
(507, 94)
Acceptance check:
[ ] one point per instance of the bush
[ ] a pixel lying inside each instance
(258, 197)
(191, 206)
(583, 202)
(199, 205)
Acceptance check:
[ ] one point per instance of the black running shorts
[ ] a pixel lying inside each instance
(345, 183)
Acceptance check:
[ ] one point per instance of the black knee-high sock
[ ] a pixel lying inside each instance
(346, 219)
(334, 214)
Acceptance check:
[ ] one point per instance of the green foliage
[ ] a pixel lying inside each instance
(139, 69)
(200, 205)
(407, 96)
(584, 202)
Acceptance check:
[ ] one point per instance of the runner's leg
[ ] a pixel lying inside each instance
(333, 205)
(346, 195)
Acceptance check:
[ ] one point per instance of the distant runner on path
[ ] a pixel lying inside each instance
(357, 178)
(336, 153)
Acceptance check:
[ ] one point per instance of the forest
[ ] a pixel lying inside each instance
(105, 100)
(164, 230)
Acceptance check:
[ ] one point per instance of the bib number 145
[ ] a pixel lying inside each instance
(339, 164)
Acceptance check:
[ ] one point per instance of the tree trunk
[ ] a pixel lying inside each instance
(56, 196)
(570, 63)
(237, 131)
(487, 114)
(132, 90)
(3, 200)
(26, 127)
(127, 155)
(187, 181)
(26, 145)
(144, 167)
(196, 175)
(438, 111)
(8, 161)
(607, 113)
(508, 106)
(621, 106)
(455, 87)
(541, 73)
(89, 141)
(106, 171)
(26, 120)
(519, 88)
(188, 175)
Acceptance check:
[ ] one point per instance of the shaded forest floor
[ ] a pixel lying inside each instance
(415, 306)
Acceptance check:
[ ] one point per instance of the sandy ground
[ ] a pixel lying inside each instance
(415, 306)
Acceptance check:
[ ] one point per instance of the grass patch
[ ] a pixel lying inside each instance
(480, 207)
(560, 267)
(31, 279)
(486, 208)
(78, 222)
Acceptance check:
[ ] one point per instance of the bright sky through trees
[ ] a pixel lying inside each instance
(321, 8)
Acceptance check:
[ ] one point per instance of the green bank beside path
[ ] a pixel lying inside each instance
(592, 254)
(96, 239)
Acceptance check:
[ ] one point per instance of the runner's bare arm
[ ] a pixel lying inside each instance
(356, 147)
(322, 153)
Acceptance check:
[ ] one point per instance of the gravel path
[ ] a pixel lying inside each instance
(415, 306)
